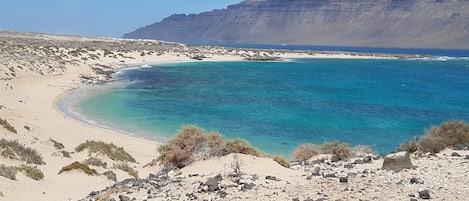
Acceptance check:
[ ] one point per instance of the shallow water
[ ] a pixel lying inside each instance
(278, 105)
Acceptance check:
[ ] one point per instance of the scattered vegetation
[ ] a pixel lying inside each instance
(7, 126)
(31, 172)
(14, 150)
(7, 172)
(126, 168)
(78, 166)
(192, 143)
(306, 151)
(447, 135)
(95, 162)
(236, 165)
(282, 161)
(110, 150)
(57, 145)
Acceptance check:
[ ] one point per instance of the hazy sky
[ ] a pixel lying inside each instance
(108, 18)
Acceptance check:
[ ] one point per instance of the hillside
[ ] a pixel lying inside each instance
(377, 23)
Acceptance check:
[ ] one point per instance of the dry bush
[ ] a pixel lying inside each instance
(241, 146)
(450, 133)
(7, 172)
(282, 161)
(31, 172)
(126, 168)
(192, 143)
(14, 150)
(8, 126)
(57, 145)
(342, 150)
(360, 150)
(78, 166)
(410, 146)
(95, 162)
(305, 152)
(110, 150)
(432, 144)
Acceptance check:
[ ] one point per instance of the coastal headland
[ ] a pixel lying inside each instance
(36, 70)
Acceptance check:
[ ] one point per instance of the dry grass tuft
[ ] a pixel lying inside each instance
(78, 166)
(447, 135)
(7, 172)
(193, 143)
(14, 150)
(110, 150)
(31, 172)
(306, 151)
(282, 161)
(126, 168)
(95, 162)
(342, 150)
(8, 126)
(57, 145)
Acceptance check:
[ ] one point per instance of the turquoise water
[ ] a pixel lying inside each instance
(278, 105)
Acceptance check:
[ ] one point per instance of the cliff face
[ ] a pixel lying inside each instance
(380, 23)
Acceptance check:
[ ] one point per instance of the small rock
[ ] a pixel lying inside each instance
(424, 194)
(110, 175)
(330, 176)
(191, 196)
(316, 171)
(343, 179)
(414, 180)
(359, 161)
(413, 199)
(455, 154)
(124, 198)
(295, 199)
(461, 147)
(222, 194)
(271, 178)
(348, 166)
(367, 159)
(335, 158)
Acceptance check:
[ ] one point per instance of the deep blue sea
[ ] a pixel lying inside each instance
(278, 105)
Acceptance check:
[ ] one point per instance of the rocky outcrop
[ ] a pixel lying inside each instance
(397, 161)
(378, 23)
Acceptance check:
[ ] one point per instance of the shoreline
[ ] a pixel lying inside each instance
(33, 80)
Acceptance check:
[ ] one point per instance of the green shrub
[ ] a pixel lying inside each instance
(126, 168)
(31, 172)
(110, 150)
(14, 150)
(7, 172)
(305, 152)
(78, 166)
(7, 126)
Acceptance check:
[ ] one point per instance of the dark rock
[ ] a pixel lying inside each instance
(455, 154)
(271, 178)
(461, 147)
(248, 186)
(295, 199)
(359, 161)
(124, 198)
(212, 183)
(191, 196)
(93, 193)
(309, 199)
(414, 180)
(316, 171)
(219, 177)
(112, 199)
(397, 161)
(335, 158)
(222, 194)
(309, 177)
(348, 166)
(413, 199)
(343, 179)
(321, 199)
(424, 194)
(367, 159)
(330, 176)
